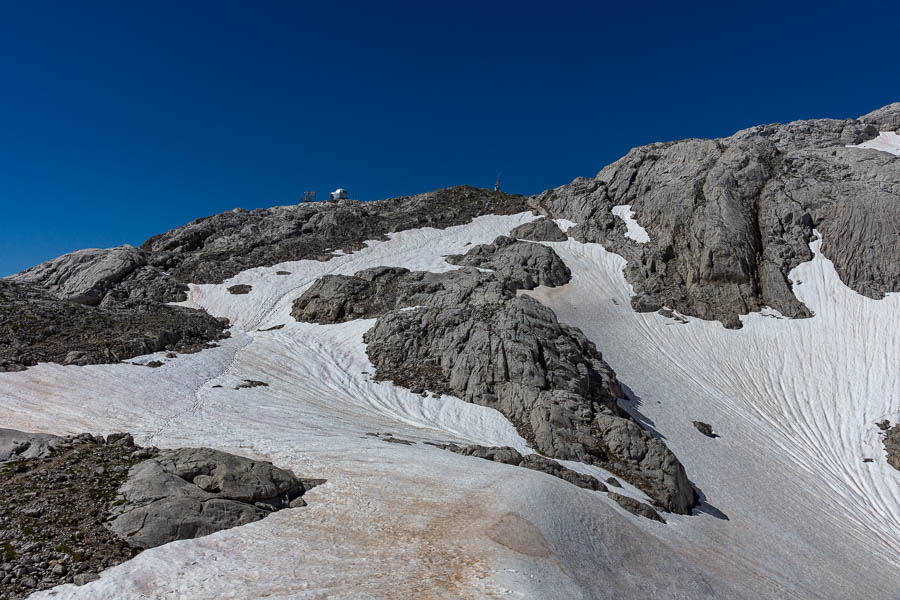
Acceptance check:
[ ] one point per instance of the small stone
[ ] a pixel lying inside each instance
(85, 578)
(704, 428)
(613, 482)
(297, 502)
(154, 364)
(58, 570)
(240, 289)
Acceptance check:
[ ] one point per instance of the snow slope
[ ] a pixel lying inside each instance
(794, 403)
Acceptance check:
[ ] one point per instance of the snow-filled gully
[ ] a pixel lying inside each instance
(791, 510)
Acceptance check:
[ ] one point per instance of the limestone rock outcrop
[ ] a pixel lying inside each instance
(191, 492)
(729, 218)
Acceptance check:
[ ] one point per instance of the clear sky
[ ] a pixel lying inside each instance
(120, 120)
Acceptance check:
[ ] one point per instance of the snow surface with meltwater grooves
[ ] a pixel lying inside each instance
(794, 402)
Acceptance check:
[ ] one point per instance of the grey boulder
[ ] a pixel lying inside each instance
(539, 230)
(192, 492)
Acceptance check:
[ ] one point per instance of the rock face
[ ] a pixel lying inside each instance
(539, 230)
(545, 377)
(192, 492)
(729, 218)
(101, 306)
(94, 277)
(373, 292)
(472, 337)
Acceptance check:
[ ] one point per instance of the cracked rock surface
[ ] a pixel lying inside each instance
(729, 218)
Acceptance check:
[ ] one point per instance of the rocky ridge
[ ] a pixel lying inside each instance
(729, 218)
(102, 306)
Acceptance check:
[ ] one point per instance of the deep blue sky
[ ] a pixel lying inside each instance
(120, 120)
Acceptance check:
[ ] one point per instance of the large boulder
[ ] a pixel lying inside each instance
(539, 230)
(545, 377)
(192, 492)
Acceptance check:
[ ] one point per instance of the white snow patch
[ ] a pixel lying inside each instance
(887, 141)
(565, 224)
(634, 230)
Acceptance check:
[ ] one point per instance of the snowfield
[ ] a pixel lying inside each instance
(790, 511)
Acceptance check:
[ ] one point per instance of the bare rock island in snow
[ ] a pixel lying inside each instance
(470, 336)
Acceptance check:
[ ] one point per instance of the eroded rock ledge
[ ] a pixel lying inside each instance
(472, 337)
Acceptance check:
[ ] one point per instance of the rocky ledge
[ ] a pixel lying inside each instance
(471, 336)
(536, 462)
(73, 506)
